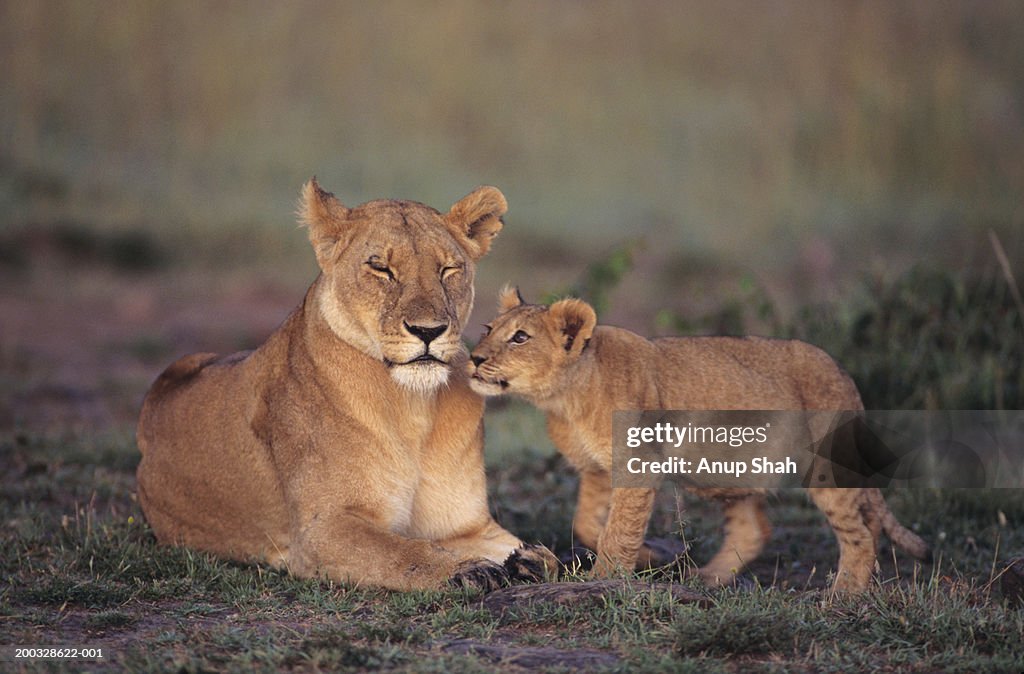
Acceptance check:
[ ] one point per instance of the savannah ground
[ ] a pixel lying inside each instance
(83, 338)
(827, 171)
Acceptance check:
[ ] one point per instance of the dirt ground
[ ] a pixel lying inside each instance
(80, 344)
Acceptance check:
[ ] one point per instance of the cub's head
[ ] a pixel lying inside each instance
(397, 278)
(529, 349)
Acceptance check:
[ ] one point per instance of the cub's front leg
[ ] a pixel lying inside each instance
(623, 535)
(592, 505)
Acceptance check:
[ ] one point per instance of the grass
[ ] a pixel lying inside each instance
(930, 627)
(79, 565)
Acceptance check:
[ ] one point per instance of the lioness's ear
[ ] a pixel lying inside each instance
(325, 216)
(476, 218)
(576, 320)
(509, 298)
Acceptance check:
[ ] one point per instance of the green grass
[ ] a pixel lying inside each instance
(78, 567)
(928, 627)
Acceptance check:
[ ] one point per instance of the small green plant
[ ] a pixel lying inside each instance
(106, 620)
(928, 339)
(601, 277)
(749, 310)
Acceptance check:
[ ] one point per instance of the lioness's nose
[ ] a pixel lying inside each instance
(427, 333)
(477, 360)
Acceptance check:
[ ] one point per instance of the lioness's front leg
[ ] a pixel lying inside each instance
(619, 543)
(347, 546)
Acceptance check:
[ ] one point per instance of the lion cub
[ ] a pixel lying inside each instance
(579, 373)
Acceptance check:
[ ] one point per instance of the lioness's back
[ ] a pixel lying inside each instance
(177, 376)
(193, 438)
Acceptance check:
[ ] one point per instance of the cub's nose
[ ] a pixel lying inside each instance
(427, 333)
(477, 360)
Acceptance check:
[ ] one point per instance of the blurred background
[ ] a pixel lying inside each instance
(674, 160)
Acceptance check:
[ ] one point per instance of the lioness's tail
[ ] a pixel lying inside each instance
(902, 537)
(179, 372)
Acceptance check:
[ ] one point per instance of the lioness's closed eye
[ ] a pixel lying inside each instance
(559, 359)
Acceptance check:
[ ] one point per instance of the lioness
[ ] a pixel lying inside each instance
(558, 359)
(349, 444)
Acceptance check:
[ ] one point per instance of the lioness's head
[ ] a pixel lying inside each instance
(528, 348)
(398, 276)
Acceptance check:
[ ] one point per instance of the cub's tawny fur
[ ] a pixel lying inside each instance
(579, 373)
(349, 444)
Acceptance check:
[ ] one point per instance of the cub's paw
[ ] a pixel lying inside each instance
(605, 568)
(480, 574)
(532, 564)
(657, 552)
(577, 559)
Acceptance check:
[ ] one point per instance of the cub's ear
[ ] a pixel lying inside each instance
(509, 298)
(476, 219)
(576, 320)
(326, 218)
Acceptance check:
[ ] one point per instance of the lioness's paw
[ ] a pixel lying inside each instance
(480, 574)
(532, 564)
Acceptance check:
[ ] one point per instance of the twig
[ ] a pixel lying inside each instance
(569, 593)
(1004, 262)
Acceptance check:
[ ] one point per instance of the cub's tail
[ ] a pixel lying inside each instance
(901, 536)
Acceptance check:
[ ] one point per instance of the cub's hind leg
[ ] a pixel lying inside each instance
(857, 526)
(619, 544)
(746, 531)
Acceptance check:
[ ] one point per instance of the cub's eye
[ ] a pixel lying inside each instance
(380, 268)
(446, 272)
(519, 338)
